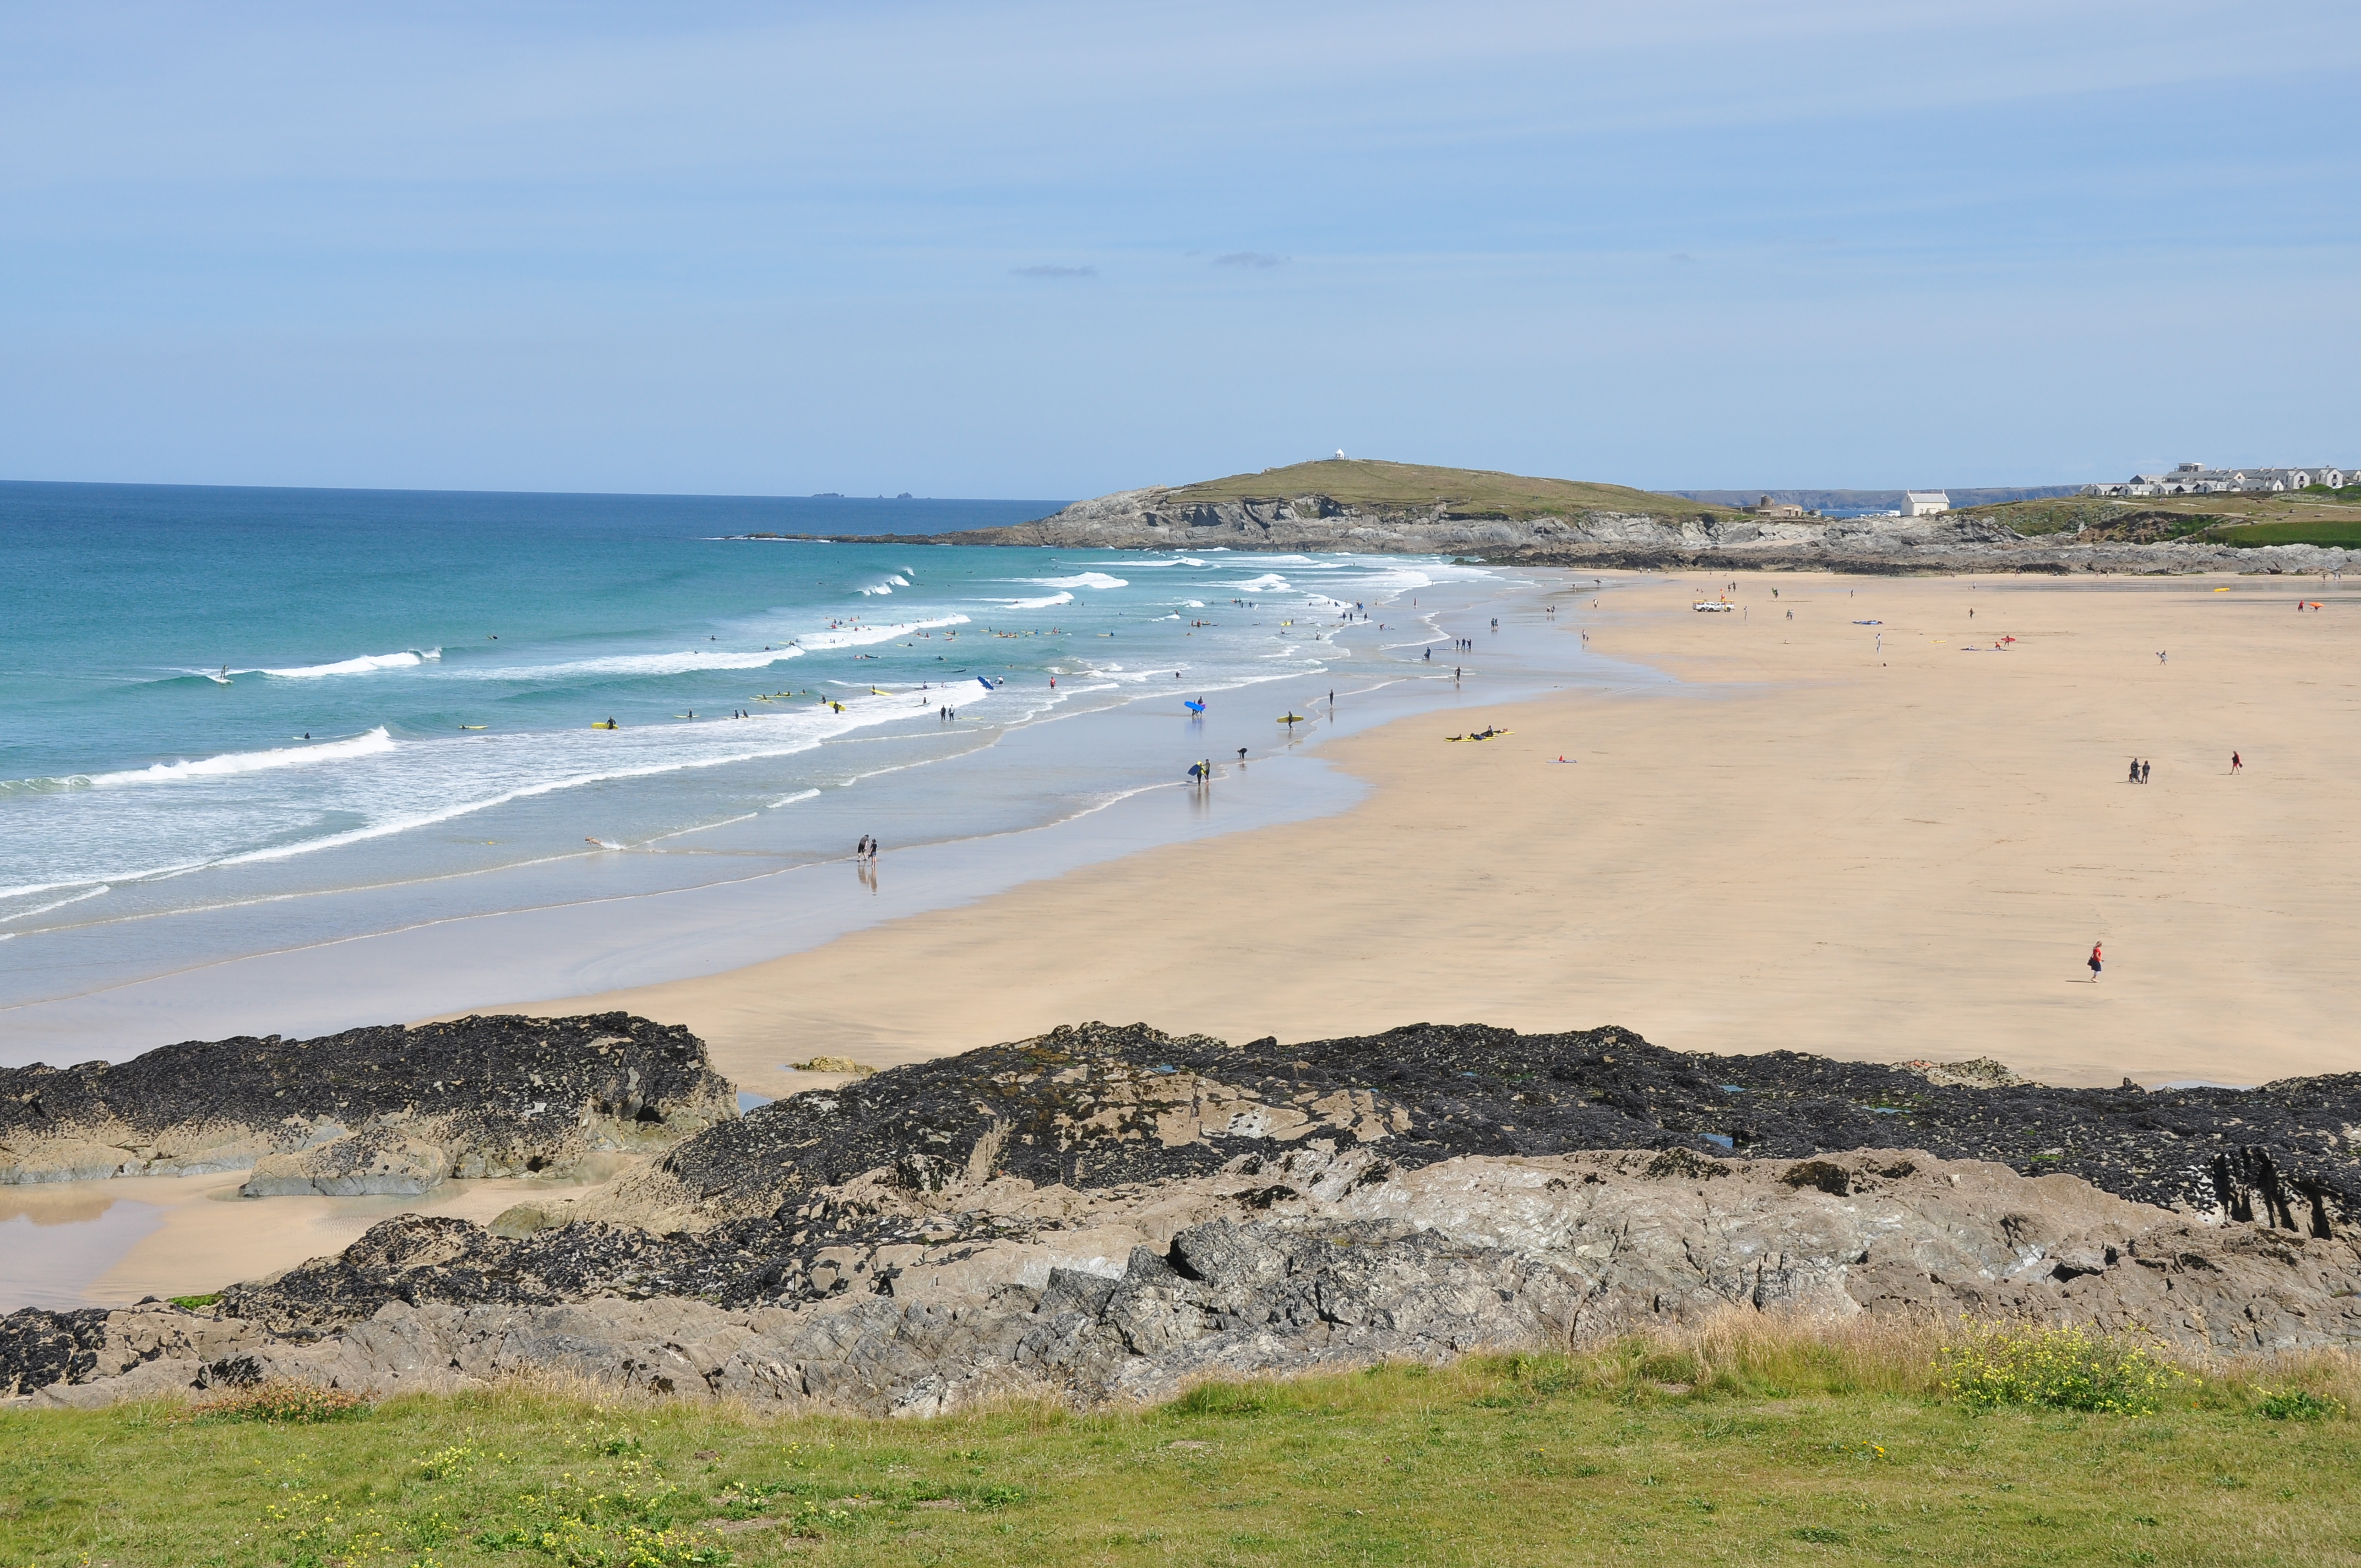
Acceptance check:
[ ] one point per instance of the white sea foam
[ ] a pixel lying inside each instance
(686, 661)
(855, 636)
(60, 904)
(408, 659)
(1086, 580)
(373, 743)
(769, 736)
(1035, 604)
(899, 581)
(1268, 582)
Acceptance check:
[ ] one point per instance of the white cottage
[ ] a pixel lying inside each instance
(1924, 503)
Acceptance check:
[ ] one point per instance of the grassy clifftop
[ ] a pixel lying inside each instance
(2314, 516)
(1757, 1445)
(1367, 482)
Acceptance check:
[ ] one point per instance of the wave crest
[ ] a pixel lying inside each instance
(408, 659)
(372, 744)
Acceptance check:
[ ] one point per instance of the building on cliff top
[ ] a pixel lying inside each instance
(2197, 480)
(1925, 503)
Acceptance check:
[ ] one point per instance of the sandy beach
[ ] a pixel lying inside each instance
(1887, 841)
(1880, 842)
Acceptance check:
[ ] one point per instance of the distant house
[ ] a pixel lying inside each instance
(1924, 503)
(1766, 507)
(2197, 480)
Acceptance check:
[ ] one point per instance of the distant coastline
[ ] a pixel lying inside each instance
(1480, 516)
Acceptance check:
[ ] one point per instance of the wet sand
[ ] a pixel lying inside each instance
(111, 1243)
(1811, 843)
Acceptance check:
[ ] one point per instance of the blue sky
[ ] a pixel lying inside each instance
(1052, 249)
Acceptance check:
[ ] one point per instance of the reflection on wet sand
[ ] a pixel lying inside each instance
(82, 1244)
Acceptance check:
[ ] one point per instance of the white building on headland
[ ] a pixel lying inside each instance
(2197, 480)
(1925, 503)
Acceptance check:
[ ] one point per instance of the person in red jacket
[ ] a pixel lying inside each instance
(2095, 957)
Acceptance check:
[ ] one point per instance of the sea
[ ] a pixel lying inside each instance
(244, 721)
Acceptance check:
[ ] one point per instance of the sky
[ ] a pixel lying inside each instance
(1050, 251)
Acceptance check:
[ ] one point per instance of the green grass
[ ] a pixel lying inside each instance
(2324, 530)
(2313, 516)
(1746, 1449)
(1469, 492)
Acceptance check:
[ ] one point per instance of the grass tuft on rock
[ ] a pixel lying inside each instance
(281, 1399)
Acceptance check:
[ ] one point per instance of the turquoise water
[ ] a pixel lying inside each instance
(219, 707)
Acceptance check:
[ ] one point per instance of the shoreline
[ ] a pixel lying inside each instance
(1805, 844)
(1781, 842)
(707, 901)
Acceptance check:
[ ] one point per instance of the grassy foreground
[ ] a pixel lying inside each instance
(1742, 1447)
(1469, 492)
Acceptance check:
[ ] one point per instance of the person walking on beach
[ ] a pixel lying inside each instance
(2135, 773)
(2094, 960)
(2235, 763)
(861, 850)
(2146, 768)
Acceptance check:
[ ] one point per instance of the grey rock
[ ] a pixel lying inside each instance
(380, 1161)
(1163, 519)
(1122, 1295)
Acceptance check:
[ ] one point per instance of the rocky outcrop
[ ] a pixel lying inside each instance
(1106, 1213)
(1099, 1106)
(1167, 519)
(1324, 1257)
(384, 1110)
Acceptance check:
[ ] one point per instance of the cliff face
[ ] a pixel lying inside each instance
(1167, 519)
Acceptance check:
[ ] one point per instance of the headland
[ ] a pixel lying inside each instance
(1372, 505)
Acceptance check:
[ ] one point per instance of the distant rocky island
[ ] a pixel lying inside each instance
(1102, 1214)
(1369, 505)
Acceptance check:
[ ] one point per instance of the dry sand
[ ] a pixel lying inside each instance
(1806, 845)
